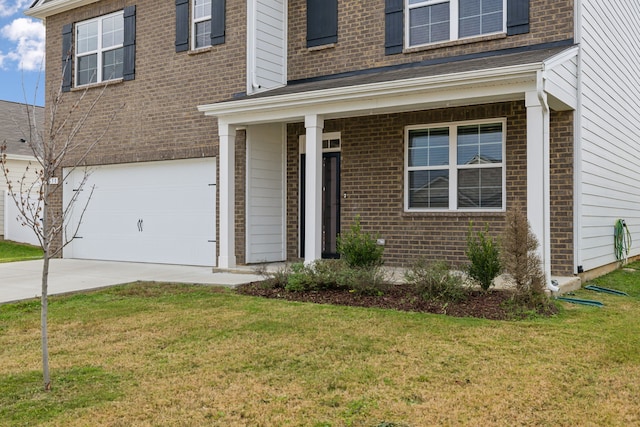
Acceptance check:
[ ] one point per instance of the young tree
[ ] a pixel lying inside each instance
(57, 144)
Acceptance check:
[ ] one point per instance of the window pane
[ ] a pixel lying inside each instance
(87, 69)
(480, 188)
(112, 64)
(429, 24)
(429, 189)
(429, 147)
(86, 37)
(203, 34)
(112, 31)
(480, 144)
(201, 9)
(480, 17)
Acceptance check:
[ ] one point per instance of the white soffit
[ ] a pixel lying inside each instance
(44, 9)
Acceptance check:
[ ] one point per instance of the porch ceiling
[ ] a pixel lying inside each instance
(436, 84)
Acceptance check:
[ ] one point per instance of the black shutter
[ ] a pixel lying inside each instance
(517, 17)
(217, 21)
(182, 25)
(322, 22)
(67, 39)
(393, 27)
(129, 43)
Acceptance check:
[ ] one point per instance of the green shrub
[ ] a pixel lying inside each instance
(300, 278)
(321, 274)
(484, 255)
(436, 281)
(359, 249)
(366, 281)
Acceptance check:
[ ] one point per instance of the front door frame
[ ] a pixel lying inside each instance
(331, 142)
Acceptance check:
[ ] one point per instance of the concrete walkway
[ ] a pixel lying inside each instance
(22, 280)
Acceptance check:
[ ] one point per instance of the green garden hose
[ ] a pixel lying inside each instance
(621, 240)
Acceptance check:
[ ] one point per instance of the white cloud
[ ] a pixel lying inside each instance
(10, 7)
(27, 37)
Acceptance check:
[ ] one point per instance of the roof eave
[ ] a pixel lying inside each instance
(487, 77)
(44, 10)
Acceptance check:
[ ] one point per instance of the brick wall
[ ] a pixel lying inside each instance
(157, 118)
(156, 114)
(361, 38)
(372, 176)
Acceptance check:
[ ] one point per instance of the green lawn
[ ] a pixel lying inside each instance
(163, 354)
(11, 251)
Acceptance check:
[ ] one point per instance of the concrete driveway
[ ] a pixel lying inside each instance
(22, 280)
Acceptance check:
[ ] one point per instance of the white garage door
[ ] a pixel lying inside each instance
(157, 212)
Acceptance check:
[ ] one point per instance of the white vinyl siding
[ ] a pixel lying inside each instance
(610, 128)
(9, 226)
(265, 194)
(267, 48)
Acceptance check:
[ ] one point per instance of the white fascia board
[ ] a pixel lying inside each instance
(22, 157)
(397, 95)
(43, 10)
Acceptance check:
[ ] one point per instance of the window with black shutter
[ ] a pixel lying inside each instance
(322, 22)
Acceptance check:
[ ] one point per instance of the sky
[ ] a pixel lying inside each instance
(21, 54)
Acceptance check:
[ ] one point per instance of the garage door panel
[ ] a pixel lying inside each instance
(161, 212)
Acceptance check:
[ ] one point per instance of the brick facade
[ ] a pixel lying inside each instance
(361, 38)
(372, 178)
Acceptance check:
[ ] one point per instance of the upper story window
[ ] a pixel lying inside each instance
(431, 21)
(455, 166)
(199, 24)
(201, 27)
(100, 49)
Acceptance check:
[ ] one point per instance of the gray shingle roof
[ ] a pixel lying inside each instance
(424, 69)
(14, 126)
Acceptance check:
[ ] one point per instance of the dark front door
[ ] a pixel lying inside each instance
(330, 204)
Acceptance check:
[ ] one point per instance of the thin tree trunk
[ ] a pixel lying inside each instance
(43, 323)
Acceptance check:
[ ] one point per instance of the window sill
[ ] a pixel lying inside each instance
(451, 43)
(322, 47)
(458, 213)
(94, 85)
(199, 51)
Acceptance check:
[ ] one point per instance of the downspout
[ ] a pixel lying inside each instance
(546, 247)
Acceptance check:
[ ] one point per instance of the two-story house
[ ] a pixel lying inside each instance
(256, 130)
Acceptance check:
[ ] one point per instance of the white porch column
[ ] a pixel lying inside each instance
(227, 162)
(313, 188)
(538, 180)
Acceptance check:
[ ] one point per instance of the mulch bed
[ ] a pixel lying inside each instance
(486, 305)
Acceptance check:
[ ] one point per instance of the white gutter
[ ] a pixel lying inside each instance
(22, 157)
(43, 10)
(494, 76)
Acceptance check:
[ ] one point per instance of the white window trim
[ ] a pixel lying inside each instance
(98, 52)
(453, 166)
(453, 22)
(195, 21)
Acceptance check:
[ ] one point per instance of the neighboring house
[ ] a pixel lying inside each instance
(15, 131)
(419, 116)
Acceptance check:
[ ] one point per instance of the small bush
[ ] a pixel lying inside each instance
(484, 255)
(522, 263)
(436, 281)
(366, 281)
(300, 278)
(321, 274)
(359, 249)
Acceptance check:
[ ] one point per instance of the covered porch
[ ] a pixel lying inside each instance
(543, 79)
